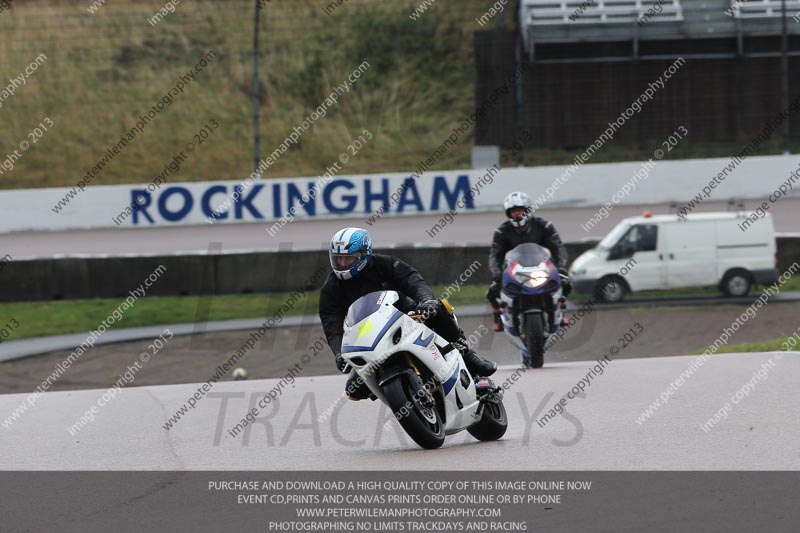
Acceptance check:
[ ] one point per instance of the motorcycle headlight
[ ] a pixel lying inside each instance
(532, 279)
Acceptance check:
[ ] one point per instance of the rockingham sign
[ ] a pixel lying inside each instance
(226, 202)
(359, 196)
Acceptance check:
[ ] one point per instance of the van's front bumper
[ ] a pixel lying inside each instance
(765, 277)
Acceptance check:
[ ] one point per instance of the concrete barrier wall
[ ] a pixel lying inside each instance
(73, 278)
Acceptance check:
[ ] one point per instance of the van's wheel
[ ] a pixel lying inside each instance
(736, 283)
(611, 289)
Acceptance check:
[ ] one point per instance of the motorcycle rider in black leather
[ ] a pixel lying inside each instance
(356, 272)
(522, 227)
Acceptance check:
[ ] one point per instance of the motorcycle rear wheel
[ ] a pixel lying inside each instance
(493, 422)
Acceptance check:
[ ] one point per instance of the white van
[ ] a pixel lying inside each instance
(666, 252)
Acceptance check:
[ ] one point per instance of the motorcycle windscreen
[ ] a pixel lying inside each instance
(527, 254)
(367, 305)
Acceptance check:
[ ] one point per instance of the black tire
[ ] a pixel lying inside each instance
(493, 422)
(611, 289)
(534, 339)
(400, 393)
(736, 283)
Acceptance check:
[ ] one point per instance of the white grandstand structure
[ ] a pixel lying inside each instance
(546, 22)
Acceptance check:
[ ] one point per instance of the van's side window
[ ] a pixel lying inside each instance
(641, 238)
(648, 237)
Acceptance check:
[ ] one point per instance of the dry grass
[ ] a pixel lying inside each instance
(104, 70)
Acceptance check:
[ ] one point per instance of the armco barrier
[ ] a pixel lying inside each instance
(73, 278)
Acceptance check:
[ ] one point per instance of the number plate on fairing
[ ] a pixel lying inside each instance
(484, 383)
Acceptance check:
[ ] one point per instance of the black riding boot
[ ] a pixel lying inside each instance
(444, 323)
(497, 322)
(356, 389)
(477, 366)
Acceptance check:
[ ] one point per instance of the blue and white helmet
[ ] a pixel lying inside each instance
(350, 252)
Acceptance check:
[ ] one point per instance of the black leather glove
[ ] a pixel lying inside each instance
(340, 362)
(493, 293)
(566, 283)
(427, 309)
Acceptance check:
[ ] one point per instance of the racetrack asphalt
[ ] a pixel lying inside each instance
(598, 431)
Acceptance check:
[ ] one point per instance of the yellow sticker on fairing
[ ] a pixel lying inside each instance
(364, 328)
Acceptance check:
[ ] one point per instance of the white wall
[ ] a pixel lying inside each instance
(267, 201)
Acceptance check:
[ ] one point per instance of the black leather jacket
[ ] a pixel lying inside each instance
(538, 231)
(384, 272)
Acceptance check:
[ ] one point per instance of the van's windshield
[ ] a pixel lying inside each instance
(614, 236)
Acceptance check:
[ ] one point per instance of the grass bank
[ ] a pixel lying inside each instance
(70, 316)
(104, 70)
(772, 345)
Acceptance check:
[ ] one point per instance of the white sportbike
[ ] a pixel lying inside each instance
(418, 374)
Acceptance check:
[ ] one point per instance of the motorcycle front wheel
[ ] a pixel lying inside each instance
(534, 339)
(416, 411)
